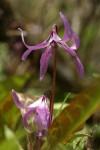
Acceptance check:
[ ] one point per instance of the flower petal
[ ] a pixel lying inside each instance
(79, 66)
(31, 48)
(25, 117)
(44, 115)
(68, 31)
(16, 100)
(38, 122)
(76, 42)
(67, 49)
(35, 104)
(45, 58)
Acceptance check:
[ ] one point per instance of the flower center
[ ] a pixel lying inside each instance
(53, 44)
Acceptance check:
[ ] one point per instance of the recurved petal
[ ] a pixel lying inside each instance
(16, 100)
(25, 117)
(31, 48)
(68, 34)
(67, 28)
(76, 42)
(79, 66)
(67, 49)
(38, 46)
(22, 36)
(44, 61)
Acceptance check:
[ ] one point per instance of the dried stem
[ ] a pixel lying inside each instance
(53, 85)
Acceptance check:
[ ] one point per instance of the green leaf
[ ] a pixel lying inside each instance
(75, 114)
(16, 82)
(9, 113)
(11, 140)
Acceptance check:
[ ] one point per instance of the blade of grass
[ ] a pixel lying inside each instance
(64, 101)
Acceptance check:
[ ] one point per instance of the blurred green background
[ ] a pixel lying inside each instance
(36, 18)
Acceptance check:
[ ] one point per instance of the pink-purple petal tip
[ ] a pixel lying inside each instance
(16, 100)
(80, 68)
(41, 78)
(25, 55)
(61, 14)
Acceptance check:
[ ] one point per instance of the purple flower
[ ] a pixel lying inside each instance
(51, 43)
(37, 111)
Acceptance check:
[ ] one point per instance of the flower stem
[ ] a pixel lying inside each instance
(53, 85)
(38, 144)
(29, 142)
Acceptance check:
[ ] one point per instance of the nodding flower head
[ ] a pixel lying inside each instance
(51, 43)
(37, 111)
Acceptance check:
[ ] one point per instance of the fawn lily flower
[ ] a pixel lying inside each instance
(38, 110)
(50, 44)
